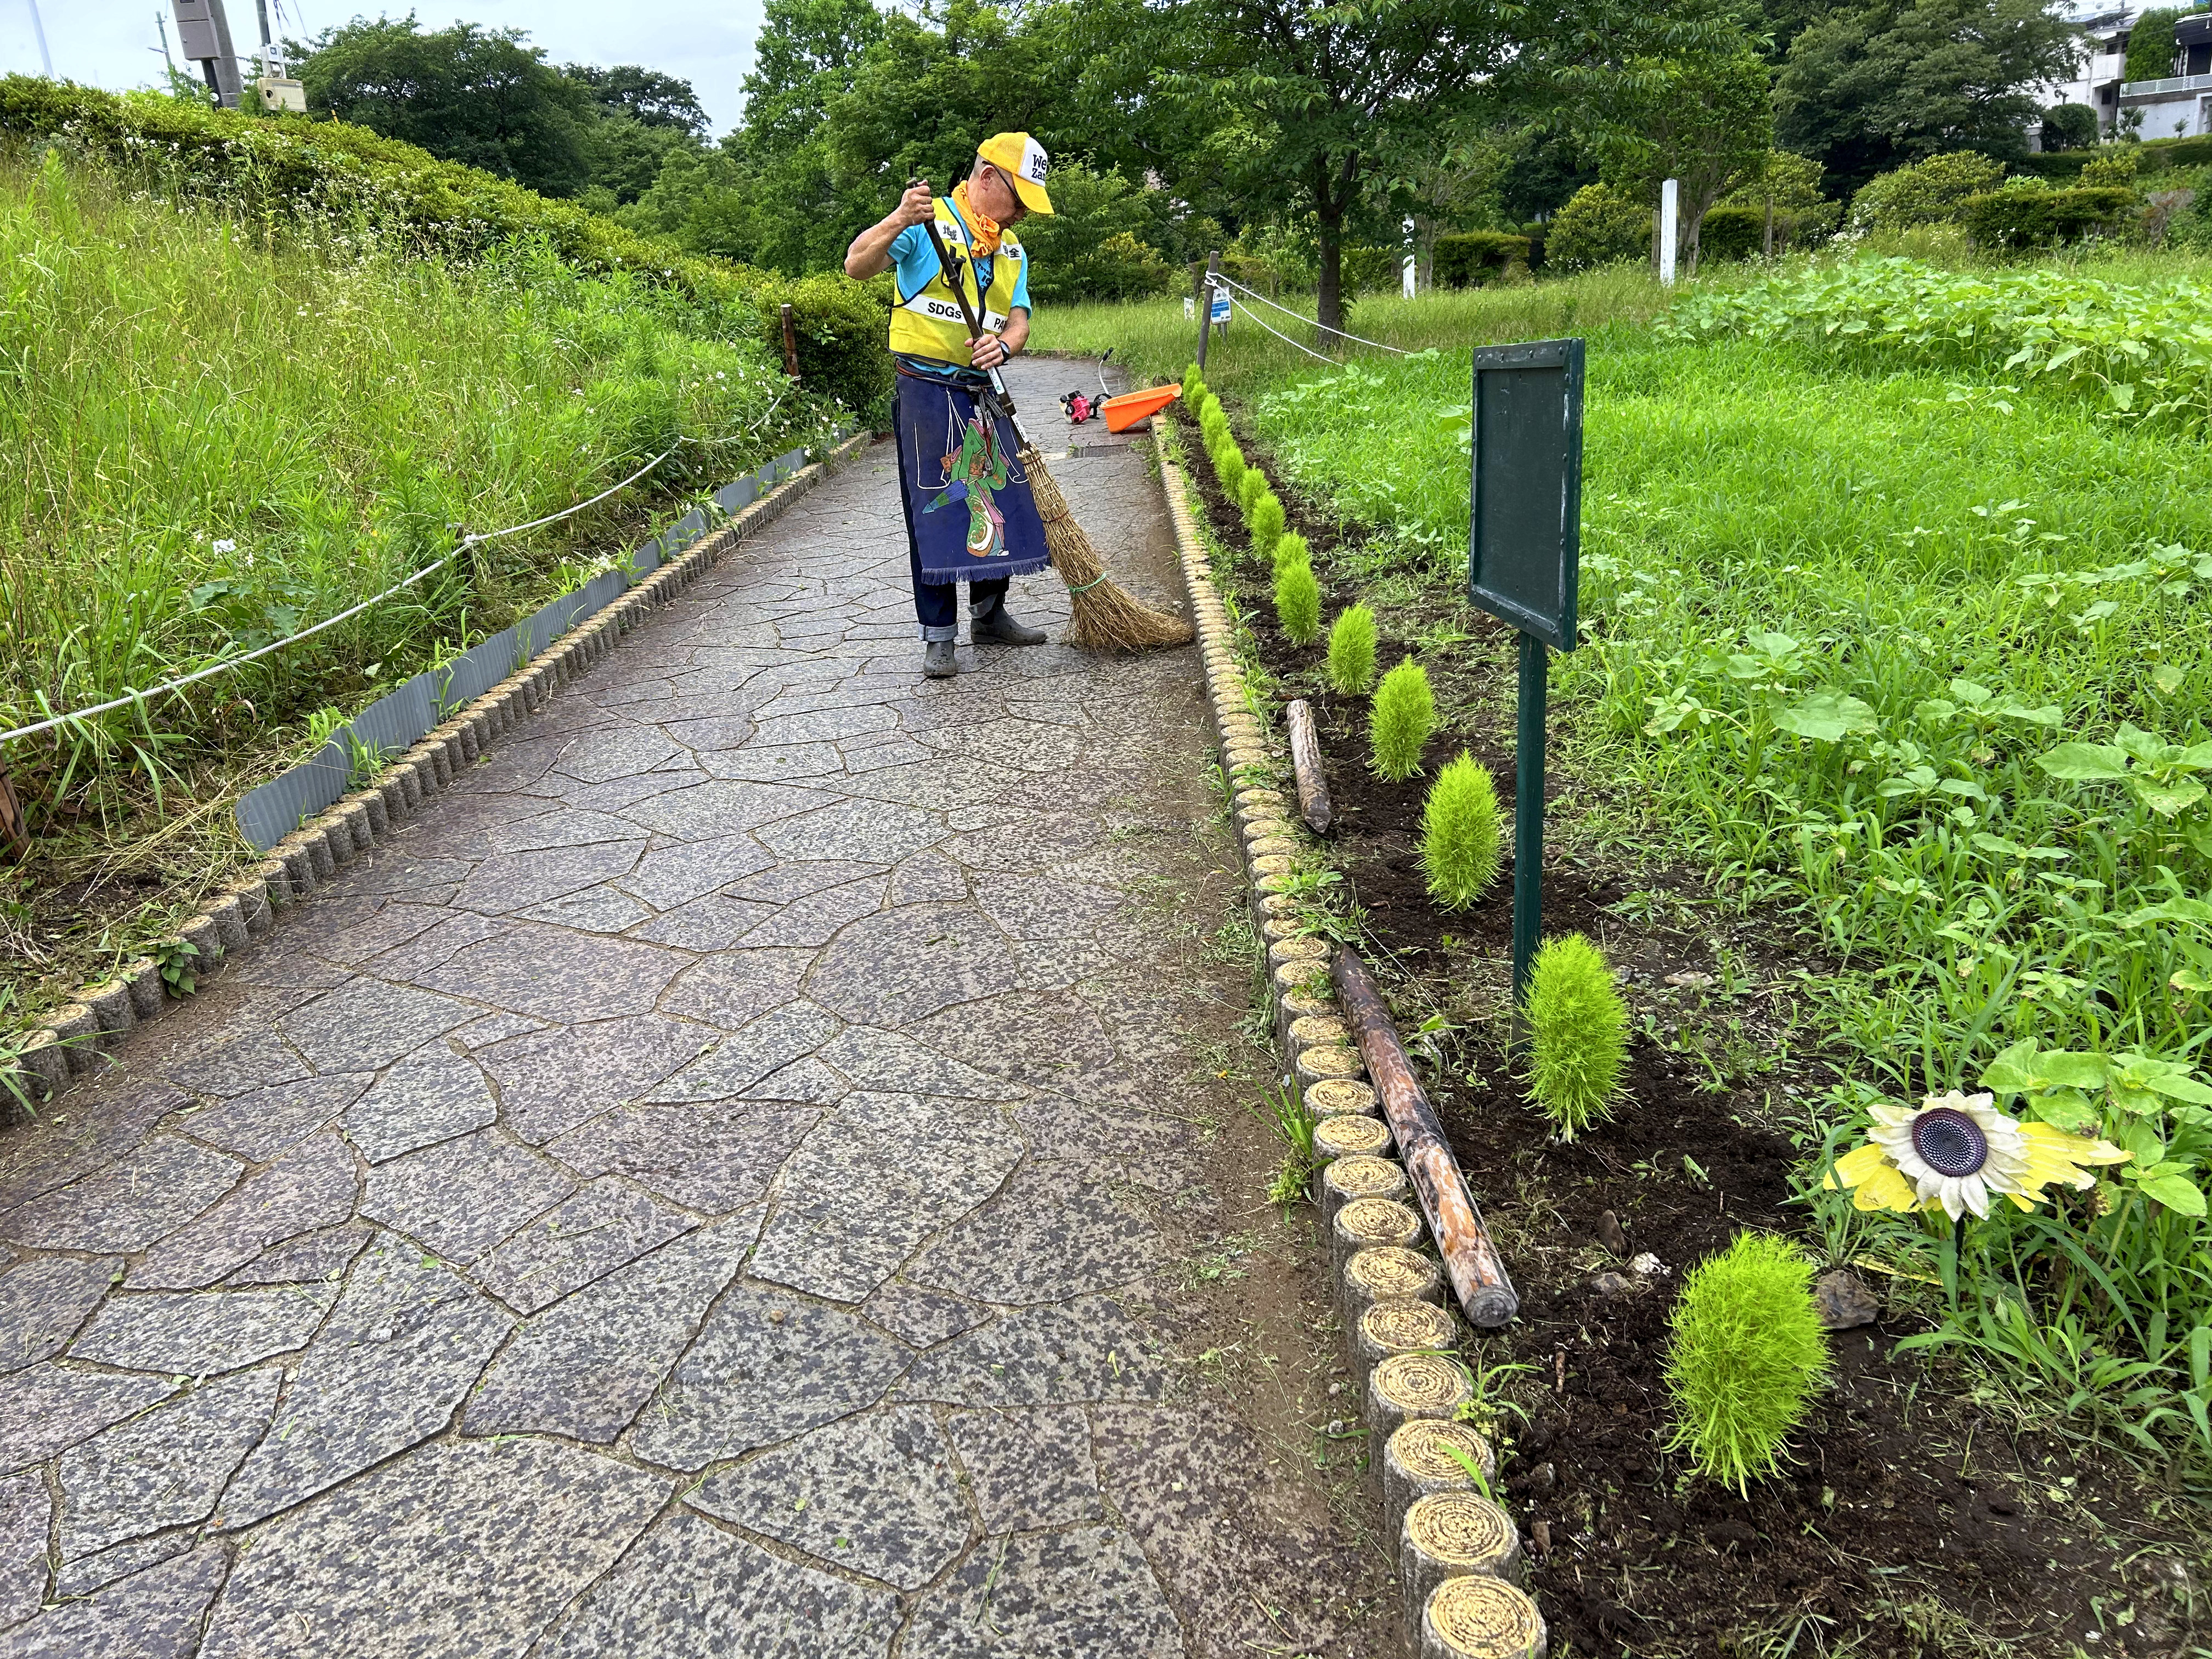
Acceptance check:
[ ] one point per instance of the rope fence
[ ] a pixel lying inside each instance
(166, 687)
(1221, 279)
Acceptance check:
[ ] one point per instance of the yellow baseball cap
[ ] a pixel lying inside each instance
(1023, 160)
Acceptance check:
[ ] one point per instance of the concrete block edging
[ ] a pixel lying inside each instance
(1411, 1406)
(96, 1022)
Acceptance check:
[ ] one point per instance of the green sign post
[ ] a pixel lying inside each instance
(1524, 541)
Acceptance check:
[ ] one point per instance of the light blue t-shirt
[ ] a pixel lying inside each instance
(915, 262)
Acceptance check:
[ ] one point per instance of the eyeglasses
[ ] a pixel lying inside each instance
(1021, 208)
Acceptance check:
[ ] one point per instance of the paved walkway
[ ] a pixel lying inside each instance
(702, 1189)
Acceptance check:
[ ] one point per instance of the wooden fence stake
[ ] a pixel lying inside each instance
(1314, 804)
(1471, 1258)
(15, 829)
(790, 344)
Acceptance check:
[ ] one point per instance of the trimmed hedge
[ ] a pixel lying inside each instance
(2152, 155)
(2044, 218)
(292, 165)
(1477, 257)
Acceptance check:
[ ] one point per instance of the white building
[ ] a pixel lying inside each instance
(2173, 106)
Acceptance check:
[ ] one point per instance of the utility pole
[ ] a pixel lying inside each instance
(39, 28)
(203, 35)
(162, 23)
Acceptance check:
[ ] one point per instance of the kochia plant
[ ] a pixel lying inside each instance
(1194, 389)
(1577, 1034)
(1290, 549)
(1351, 652)
(1249, 488)
(1297, 602)
(1746, 1353)
(1266, 521)
(1229, 468)
(1459, 833)
(1399, 721)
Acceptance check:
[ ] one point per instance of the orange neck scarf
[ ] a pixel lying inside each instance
(983, 229)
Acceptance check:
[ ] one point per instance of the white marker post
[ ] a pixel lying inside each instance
(1408, 287)
(1670, 218)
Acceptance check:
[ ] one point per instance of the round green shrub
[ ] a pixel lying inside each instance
(1399, 721)
(1577, 1034)
(1297, 602)
(1352, 650)
(1266, 521)
(1290, 549)
(1459, 833)
(1746, 1354)
(1229, 467)
(1194, 389)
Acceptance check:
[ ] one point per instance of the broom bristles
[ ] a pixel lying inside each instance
(1107, 617)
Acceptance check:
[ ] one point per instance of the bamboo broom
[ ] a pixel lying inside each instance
(1106, 615)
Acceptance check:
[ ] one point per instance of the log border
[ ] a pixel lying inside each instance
(1255, 768)
(77, 1040)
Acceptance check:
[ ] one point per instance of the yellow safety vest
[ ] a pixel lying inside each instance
(928, 324)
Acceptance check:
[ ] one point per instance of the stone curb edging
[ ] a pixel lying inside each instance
(1457, 1554)
(73, 1042)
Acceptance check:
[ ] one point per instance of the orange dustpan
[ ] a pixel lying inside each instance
(1131, 407)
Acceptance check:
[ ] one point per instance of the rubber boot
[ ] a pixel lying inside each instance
(998, 624)
(938, 662)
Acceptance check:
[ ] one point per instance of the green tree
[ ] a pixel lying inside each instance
(466, 93)
(1703, 118)
(1599, 226)
(2151, 48)
(643, 95)
(1295, 107)
(1870, 88)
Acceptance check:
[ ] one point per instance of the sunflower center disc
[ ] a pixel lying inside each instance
(1949, 1142)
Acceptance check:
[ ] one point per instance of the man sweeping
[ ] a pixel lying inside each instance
(969, 515)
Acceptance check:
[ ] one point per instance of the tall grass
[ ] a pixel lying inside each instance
(207, 438)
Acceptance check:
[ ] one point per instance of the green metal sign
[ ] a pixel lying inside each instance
(1523, 566)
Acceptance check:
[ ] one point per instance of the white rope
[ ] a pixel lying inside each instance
(1253, 316)
(1310, 321)
(130, 696)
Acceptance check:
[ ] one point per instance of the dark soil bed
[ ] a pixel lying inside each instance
(1913, 1519)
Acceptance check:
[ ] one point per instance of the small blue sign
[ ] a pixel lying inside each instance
(1220, 306)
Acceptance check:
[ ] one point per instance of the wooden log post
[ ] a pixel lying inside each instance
(790, 344)
(14, 828)
(1479, 1617)
(1314, 804)
(1428, 1455)
(1448, 1534)
(1347, 1180)
(1386, 1275)
(1471, 1258)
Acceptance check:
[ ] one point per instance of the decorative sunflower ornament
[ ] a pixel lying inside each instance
(1955, 1151)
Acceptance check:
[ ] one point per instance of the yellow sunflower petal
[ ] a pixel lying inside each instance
(1860, 1164)
(1886, 1189)
(2022, 1201)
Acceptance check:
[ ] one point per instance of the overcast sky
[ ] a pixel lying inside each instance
(115, 43)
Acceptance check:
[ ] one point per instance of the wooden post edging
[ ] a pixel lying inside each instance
(1471, 1258)
(1389, 1292)
(1314, 804)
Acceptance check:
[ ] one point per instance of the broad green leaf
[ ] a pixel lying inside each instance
(2012, 1071)
(2061, 1070)
(2197, 911)
(2063, 1108)
(1826, 716)
(1970, 694)
(2144, 745)
(2047, 714)
(2178, 1193)
(2085, 761)
(2123, 398)
(2167, 799)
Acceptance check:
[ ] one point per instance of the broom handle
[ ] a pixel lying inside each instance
(949, 268)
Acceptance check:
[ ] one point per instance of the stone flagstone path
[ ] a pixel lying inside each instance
(701, 1188)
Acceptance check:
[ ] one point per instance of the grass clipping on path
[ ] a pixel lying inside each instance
(1577, 1034)
(1746, 1354)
